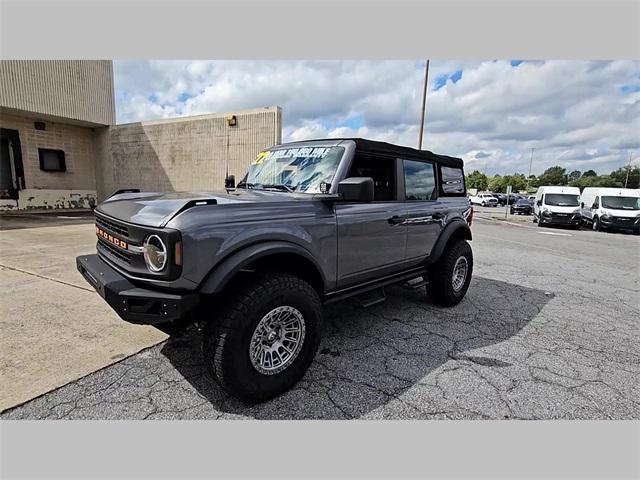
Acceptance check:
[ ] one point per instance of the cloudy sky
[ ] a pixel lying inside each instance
(581, 115)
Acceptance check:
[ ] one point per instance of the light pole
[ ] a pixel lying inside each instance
(530, 163)
(628, 168)
(424, 104)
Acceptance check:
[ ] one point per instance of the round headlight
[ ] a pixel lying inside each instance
(155, 253)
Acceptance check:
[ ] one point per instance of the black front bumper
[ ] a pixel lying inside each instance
(131, 303)
(561, 219)
(620, 223)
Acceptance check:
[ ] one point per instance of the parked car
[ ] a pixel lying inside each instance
(484, 199)
(521, 206)
(557, 206)
(311, 223)
(611, 208)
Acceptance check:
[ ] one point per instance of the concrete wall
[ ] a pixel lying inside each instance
(189, 153)
(79, 90)
(47, 189)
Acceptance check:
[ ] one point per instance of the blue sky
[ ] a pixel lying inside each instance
(578, 114)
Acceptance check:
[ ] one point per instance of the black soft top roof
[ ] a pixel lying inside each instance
(371, 146)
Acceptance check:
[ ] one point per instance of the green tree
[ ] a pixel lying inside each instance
(554, 176)
(590, 173)
(575, 175)
(620, 176)
(534, 182)
(517, 181)
(496, 184)
(477, 180)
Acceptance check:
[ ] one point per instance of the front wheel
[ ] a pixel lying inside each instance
(595, 224)
(450, 276)
(265, 337)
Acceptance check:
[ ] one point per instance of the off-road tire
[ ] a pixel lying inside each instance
(440, 287)
(226, 338)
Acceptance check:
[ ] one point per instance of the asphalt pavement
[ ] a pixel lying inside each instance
(548, 330)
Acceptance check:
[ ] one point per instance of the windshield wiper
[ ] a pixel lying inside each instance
(279, 186)
(245, 185)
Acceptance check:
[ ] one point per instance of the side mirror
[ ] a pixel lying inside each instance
(581, 204)
(594, 206)
(356, 189)
(539, 203)
(230, 181)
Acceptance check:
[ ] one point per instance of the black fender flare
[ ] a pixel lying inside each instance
(457, 227)
(225, 270)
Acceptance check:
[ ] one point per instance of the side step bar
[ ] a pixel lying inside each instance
(377, 296)
(375, 284)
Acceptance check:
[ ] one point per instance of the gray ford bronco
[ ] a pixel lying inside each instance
(312, 222)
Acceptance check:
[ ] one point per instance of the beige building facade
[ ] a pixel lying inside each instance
(61, 148)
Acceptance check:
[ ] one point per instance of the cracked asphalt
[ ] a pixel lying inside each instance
(548, 330)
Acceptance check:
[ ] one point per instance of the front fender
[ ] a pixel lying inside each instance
(227, 268)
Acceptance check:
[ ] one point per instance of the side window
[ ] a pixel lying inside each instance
(452, 180)
(419, 180)
(596, 203)
(383, 172)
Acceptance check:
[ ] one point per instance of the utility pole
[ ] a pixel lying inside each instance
(628, 168)
(530, 163)
(424, 104)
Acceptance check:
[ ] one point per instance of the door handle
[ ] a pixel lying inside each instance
(396, 220)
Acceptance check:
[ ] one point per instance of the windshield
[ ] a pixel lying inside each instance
(301, 169)
(562, 199)
(621, 203)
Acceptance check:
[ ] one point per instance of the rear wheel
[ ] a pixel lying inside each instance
(450, 276)
(265, 337)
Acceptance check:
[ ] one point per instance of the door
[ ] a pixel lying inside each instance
(425, 213)
(371, 236)
(11, 174)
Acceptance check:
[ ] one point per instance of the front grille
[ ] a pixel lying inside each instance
(114, 227)
(623, 219)
(114, 251)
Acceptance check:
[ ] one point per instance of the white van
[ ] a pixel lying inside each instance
(557, 206)
(611, 208)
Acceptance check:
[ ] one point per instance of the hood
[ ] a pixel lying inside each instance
(155, 209)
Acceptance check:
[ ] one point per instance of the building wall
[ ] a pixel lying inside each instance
(72, 89)
(190, 153)
(47, 189)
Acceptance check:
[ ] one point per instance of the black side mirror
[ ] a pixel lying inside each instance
(356, 189)
(539, 202)
(594, 206)
(581, 204)
(230, 181)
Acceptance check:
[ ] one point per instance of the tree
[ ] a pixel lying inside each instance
(590, 173)
(477, 180)
(620, 176)
(575, 175)
(496, 184)
(554, 176)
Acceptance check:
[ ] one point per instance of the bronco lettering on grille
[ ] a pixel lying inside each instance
(110, 238)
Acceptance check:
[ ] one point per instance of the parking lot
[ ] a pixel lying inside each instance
(548, 330)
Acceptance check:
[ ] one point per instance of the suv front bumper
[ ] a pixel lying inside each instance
(131, 303)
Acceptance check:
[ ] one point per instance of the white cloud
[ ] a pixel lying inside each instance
(575, 113)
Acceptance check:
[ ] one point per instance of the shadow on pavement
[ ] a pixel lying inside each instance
(369, 357)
